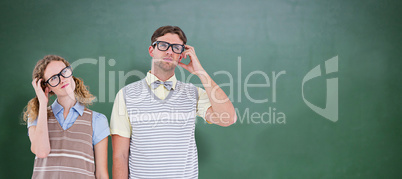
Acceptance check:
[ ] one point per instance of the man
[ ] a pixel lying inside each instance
(153, 120)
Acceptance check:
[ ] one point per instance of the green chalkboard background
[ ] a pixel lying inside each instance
(243, 45)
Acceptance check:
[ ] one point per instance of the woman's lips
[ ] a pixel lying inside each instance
(65, 85)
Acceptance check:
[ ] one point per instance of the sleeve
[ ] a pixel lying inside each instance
(33, 123)
(203, 103)
(119, 121)
(29, 124)
(100, 127)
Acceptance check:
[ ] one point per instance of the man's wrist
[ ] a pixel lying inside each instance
(202, 74)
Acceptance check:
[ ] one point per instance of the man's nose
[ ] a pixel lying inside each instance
(169, 50)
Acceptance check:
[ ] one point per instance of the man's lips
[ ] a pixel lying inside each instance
(167, 59)
(64, 85)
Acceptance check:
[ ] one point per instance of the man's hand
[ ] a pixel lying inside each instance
(194, 66)
(222, 106)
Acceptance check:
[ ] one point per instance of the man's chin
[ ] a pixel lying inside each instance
(167, 66)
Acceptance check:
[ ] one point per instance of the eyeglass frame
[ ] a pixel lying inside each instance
(58, 75)
(169, 45)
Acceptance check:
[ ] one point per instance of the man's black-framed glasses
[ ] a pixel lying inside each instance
(55, 79)
(163, 46)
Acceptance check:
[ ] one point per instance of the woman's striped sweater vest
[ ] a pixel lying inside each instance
(71, 151)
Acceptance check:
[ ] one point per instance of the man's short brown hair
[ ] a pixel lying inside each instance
(161, 31)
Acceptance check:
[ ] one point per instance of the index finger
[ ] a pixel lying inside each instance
(34, 81)
(188, 46)
(39, 81)
(38, 84)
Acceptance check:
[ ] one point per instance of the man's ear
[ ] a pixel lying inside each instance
(151, 51)
(180, 58)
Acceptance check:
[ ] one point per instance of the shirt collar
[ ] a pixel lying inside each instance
(150, 78)
(78, 107)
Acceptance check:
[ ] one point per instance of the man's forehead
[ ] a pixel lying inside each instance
(171, 38)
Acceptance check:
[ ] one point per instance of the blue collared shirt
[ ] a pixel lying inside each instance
(100, 125)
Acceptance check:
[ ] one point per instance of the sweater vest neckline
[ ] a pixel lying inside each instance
(144, 82)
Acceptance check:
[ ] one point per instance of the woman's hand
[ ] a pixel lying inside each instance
(43, 96)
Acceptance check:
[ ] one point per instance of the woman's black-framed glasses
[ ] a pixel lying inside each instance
(55, 79)
(163, 46)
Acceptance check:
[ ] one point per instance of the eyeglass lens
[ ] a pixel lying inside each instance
(55, 79)
(163, 46)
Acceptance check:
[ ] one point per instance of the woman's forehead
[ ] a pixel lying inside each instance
(53, 68)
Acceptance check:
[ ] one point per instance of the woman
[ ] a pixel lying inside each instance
(69, 140)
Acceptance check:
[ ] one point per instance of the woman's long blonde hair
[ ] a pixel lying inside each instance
(82, 95)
